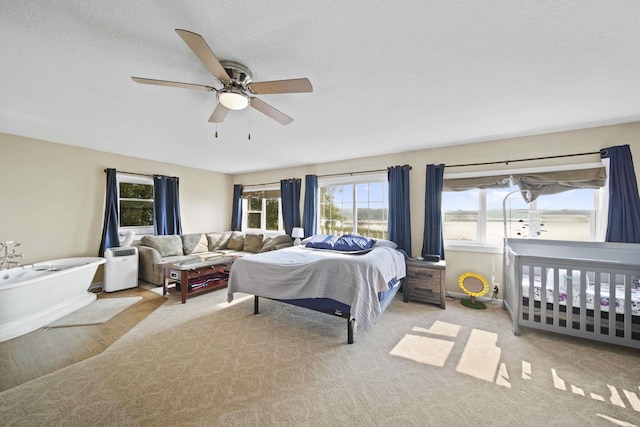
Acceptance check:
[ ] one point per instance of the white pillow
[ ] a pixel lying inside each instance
(385, 243)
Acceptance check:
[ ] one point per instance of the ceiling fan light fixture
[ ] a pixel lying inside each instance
(233, 99)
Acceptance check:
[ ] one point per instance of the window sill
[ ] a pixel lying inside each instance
(473, 247)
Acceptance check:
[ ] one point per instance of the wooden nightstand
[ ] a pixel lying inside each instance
(425, 282)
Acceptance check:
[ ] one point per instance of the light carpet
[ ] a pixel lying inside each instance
(207, 363)
(99, 311)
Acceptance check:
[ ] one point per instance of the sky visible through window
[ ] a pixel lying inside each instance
(468, 200)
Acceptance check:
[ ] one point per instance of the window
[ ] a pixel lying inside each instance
(135, 203)
(475, 216)
(262, 210)
(354, 206)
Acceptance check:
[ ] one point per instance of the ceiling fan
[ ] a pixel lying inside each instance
(238, 89)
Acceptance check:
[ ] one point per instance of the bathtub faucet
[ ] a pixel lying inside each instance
(7, 253)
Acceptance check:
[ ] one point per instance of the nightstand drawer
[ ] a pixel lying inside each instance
(421, 288)
(420, 292)
(424, 275)
(425, 282)
(414, 284)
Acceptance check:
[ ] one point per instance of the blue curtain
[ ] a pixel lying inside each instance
(310, 213)
(110, 237)
(236, 208)
(624, 202)
(399, 224)
(433, 239)
(290, 194)
(166, 205)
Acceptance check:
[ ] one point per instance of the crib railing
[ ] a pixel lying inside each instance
(580, 298)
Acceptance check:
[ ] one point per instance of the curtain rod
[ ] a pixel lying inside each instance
(264, 183)
(331, 174)
(140, 174)
(359, 172)
(506, 162)
(132, 173)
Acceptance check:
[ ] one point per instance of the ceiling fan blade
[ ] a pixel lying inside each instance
(200, 47)
(219, 114)
(172, 84)
(282, 86)
(267, 109)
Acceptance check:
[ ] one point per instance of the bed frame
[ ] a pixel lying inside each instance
(332, 307)
(536, 270)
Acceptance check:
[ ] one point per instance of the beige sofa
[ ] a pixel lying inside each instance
(154, 251)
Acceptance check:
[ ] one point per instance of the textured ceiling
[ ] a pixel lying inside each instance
(387, 76)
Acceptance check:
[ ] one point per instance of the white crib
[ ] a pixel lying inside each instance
(584, 289)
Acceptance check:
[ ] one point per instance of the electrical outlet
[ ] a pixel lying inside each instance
(496, 290)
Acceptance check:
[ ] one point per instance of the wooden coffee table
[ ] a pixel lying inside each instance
(186, 272)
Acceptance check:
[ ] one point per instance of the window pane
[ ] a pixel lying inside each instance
(332, 216)
(272, 214)
(566, 225)
(460, 210)
(254, 219)
(461, 225)
(136, 191)
(366, 215)
(517, 215)
(569, 215)
(255, 204)
(372, 209)
(135, 203)
(136, 213)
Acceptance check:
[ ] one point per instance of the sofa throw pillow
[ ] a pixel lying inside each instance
(165, 245)
(195, 243)
(218, 240)
(252, 243)
(236, 241)
(276, 242)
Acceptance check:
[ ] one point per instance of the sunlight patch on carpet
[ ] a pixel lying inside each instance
(526, 370)
(633, 399)
(503, 377)
(440, 328)
(481, 356)
(616, 421)
(428, 351)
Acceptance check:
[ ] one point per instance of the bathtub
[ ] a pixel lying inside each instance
(33, 296)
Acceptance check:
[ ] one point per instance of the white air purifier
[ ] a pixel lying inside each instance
(121, 268)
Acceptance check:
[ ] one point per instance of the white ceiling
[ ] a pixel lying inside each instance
(388, 76)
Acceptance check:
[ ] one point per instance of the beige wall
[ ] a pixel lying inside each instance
(458, 262)
(52, 196)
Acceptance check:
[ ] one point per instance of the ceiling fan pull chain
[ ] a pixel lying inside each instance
(216, 130)
(249, 136)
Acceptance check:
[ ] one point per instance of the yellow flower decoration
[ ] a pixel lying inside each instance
(473, 284)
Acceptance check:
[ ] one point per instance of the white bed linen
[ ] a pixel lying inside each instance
(299, 272)
(590, 294)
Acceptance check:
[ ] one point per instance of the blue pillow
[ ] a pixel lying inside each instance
(352, 243)
(322, 241)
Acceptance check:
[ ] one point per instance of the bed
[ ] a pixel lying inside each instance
(355, 285)
(585, 289)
